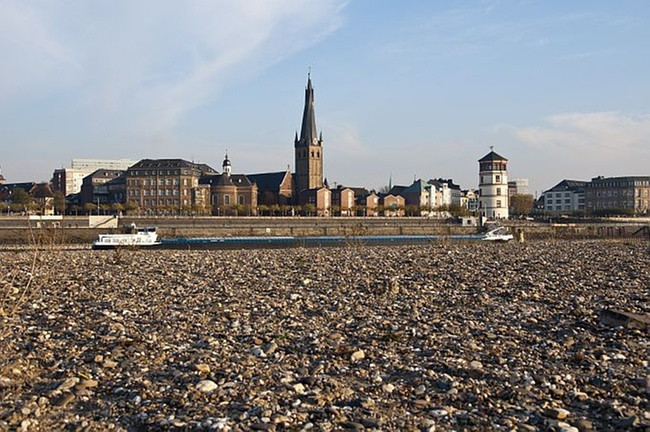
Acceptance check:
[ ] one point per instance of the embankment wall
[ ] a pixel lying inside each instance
(75, 230)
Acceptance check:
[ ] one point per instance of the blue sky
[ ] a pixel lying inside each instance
(412, 88)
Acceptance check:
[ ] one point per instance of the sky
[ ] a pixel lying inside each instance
(403, 90)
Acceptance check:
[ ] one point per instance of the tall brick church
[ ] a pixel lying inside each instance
(309, 147)
(308, 178)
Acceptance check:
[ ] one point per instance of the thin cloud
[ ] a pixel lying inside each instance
(597, 132)
(141, 66)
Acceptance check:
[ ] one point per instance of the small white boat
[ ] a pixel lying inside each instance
(500, 234)
(134, 237)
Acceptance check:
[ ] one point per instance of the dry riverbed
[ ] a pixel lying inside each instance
(440, 337)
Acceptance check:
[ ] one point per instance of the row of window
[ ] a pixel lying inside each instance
(159, 172)
(624, 192)
(162, 202)
(159, 182)
(159, 192)
(563, 207)
(615, 204)
(487, 179)
(493, 166)
(226, 199)
(619, 183)
(304, 153)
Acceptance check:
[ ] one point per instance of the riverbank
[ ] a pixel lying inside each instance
(437, 337)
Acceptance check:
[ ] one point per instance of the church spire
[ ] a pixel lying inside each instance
(308, 131)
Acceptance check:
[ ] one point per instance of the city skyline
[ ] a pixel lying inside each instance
(415, 90)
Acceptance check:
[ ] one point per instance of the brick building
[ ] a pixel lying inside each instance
(618, 194)
(168, 184)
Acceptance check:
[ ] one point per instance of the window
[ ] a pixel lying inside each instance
(498, 203)
(567, 201)
(498, 191)
(241, 199)
(497, 178)
(226, 199)
(146, 192)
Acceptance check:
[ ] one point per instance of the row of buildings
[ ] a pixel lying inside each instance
(626, 195)
(178, 185)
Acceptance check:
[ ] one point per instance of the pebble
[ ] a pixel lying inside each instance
(207, 386)
(453, 336)
(202, 367)
(358, 355)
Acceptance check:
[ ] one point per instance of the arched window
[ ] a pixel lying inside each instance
(226, 199)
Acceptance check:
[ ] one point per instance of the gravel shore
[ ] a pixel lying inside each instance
(463, 336)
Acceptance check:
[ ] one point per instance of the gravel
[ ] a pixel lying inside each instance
(460, 336)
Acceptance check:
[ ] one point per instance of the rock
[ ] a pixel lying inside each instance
(357, 356)
(109, 364)
(583, 425)
(206, 386)
(64, 400)
(557, 413)
(67, 384)
(619, 318)
(628, 422)
(348, 425)
(388, 388)
(202, 367)
(299, 388)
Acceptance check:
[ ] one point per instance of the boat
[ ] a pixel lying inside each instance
(133, 237)
(499, 234)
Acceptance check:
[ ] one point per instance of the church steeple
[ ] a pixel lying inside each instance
(308, 131)
(309, 147)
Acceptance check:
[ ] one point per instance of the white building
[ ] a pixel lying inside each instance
(469, 199)
(493, 186)
(69, 180)
(565, 197)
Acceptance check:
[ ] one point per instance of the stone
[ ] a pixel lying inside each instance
(67, 384)
(202, 367)
(357, 356)
(206, 386)
(620, 318)
(557, 413)
(583, 425)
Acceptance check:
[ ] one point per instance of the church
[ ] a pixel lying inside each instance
(175, 184)
(304, 187)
